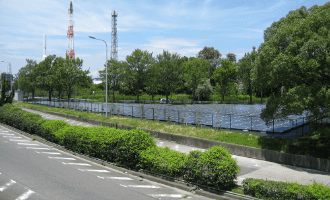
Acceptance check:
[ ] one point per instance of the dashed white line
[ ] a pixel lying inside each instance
(117, 178)
(3, 131)
(82, 164)
(54, 153)
(25, 195)
(169, 195)
(61, 158)
(2, 188)
(5, 136)
(19, 140)
(37, 148)
(94, 170)
(141, 186)
(28, 144)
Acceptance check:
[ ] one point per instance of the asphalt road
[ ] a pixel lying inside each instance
(32, 170)
(251, 168)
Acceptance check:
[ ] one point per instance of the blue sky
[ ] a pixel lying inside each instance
(183, 27)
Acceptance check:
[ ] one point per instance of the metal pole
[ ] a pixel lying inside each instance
(153, 114)
(251, 123)
(132, 111)
(178, 117)
(273, 127)
(106, 79)
(212, 120)
(230, 122)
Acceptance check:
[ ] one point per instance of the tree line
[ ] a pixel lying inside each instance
(291, 67)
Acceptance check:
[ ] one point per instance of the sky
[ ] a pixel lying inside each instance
(179, 26)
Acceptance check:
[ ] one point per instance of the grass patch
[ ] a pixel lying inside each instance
(313, 144)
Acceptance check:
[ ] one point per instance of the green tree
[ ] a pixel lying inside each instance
(195, 72)
(213, 57)
(245, 66)
(28, 76)
(225, 76)
(169, 69)
(4, 87)
(115, 70)
(153, 81)
(231, 57)
(71, 73)
(138, 64)
(45, 76)
(300, 61)
(204, 90)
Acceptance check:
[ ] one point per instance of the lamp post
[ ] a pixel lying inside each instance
(106, 75)
(11, 84)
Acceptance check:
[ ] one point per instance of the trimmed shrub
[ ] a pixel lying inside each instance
(163, 161)
(284, 190)
(214, 168)
(114, 145)
(25, 121)
(50, 127)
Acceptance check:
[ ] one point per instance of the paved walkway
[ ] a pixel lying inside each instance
(251, 168)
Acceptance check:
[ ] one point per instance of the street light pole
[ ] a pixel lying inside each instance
(106, 75)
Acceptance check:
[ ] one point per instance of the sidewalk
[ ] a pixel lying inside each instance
(251, 168)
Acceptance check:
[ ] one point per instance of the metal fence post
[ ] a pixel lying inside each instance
(273, 127)
(165, 114)
(153, 114)
(251, 123)
(230, 122)
(132, 111)
(212, 120)
(178, 116)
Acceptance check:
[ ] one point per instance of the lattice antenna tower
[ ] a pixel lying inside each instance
(114, 40)
(70, 35)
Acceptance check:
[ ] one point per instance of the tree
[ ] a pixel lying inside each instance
(195, 71)
(246, 64)
(70, 70)
(204, 90)
(45, 76)
(231, 57)
(138, 64)
(298, 50)
(213, 57)
(153, 81)
(4, 87)
(28, 76)
(115, 69)
(224, 76)
(169, 70)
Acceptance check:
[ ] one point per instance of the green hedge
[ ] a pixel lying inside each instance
(135, 149)
(284, 190)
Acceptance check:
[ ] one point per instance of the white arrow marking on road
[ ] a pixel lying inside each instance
(12, 182)
(83, 164)
(94, 170)
(61, 158)
(28, 144)
(25, 195)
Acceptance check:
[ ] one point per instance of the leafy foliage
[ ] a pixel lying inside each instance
(284, 190)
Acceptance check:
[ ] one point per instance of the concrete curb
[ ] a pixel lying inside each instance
(239, 150)
(210, 193)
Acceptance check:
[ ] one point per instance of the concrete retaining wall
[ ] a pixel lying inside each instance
(239, 150)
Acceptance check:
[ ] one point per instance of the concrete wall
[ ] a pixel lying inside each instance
(239, 150)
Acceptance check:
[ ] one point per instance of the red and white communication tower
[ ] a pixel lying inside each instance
(70, 47)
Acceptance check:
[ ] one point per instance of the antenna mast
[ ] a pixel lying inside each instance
(114, 40)
(70, 46)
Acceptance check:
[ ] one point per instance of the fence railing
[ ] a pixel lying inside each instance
(248, 124)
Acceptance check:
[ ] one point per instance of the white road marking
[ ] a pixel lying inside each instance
(3, 131)
(28, 144)
(61, 158)
(140, 186)
(19, 140)
(55, 153)
(25, 195)
(117, 178)
(79, 124)
(5, 136)
(37, 148)
(82, 164)
(170, 195)
(2, 188)
(94, 170)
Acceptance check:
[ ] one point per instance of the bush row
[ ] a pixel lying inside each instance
(284, 190)
(135, 149)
